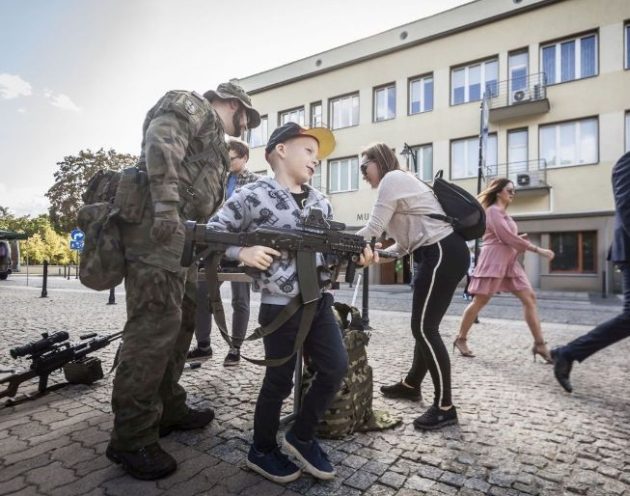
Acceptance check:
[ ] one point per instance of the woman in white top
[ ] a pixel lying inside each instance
(401, 209)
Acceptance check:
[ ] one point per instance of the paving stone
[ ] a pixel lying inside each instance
(361, 480)
(13, 485)
(393, 479)
(419, 483)
(50, 476)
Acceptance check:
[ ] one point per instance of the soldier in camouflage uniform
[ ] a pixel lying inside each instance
(186, 159)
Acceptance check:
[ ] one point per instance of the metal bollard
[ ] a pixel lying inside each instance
(365, 317)
(112, 297)
(45, 281)
(68, 267)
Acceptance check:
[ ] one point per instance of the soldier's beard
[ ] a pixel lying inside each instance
(236, 122)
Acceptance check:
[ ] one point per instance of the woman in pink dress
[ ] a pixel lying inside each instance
(498, 269)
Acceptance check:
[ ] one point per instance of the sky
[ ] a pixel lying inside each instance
(79, 74)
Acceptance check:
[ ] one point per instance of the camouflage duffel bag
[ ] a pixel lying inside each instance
(351, 409)
(102, 263)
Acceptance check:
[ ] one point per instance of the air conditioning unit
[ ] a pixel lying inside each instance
(519, 96)
(523, 180)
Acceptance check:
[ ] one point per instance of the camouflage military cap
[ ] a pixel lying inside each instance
(230, 90)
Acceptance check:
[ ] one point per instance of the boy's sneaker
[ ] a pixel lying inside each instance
(311, 455)
(435, 418)
(274, 465)
(402, 391)
(199, 353)
(232, 358)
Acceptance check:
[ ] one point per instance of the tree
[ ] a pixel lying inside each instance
(71, 178)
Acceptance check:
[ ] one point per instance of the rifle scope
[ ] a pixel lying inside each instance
(42, 345)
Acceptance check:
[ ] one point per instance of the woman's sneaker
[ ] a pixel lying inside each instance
(232, 358)
(311, 455)
(402, 391)
(435, 418)
(274, 465)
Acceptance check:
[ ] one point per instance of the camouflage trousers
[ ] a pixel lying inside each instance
(157, 335)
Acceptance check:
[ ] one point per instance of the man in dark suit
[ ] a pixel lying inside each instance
(619, 327)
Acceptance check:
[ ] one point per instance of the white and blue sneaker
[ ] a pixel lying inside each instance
(274, 465)
(311, 455)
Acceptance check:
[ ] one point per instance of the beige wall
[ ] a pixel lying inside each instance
(574, 190)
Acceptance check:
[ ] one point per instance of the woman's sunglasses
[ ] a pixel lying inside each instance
(363, 167)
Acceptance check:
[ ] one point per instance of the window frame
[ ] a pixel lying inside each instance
(329, 164)
(524, 129)
(375, 89)
(310, 115)
(416, 149)
(263, 118)
(467, 138)
(466, 66)
(566, 121)
(331, 116)
(420, 77)
(321, 175)
(626, 42)
(558, 63)
(626, 120)
(291, 110)
(580, 246)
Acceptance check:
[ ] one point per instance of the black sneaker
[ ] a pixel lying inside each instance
(199, 353)
(435, 418)
(194, 419)
(402, 391)
(311, 455)
(274, 465)
(148, 463)
(232, 358)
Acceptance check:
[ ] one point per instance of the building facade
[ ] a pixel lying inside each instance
(557, 73)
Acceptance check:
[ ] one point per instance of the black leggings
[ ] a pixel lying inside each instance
(440, 268)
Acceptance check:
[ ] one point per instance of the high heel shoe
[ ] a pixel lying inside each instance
(462, 347)
(542, 350)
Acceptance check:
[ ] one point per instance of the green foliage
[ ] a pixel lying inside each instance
(71, 178)
(44, 243)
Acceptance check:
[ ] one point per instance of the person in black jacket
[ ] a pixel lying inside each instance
(618, 327)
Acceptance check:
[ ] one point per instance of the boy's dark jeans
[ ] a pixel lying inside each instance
(325, 349)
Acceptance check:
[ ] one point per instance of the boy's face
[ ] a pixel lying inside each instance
(300, 158)
(237, 164)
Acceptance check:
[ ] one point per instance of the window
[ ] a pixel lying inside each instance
(316, 114)
(385, 103)
(518, 69)
(345, 111)
(628, 131)
(424, 157)
(316, 180)
(469, 83)
(569, 143)
(465, 157)
(571, 59)
(575, 252)
(343, 175)
(258, 136)
(294, 115)
(420, 95)
(627, 48)
(517, 147)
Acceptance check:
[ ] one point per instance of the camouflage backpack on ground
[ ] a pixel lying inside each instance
(351, 409)
(110, 196)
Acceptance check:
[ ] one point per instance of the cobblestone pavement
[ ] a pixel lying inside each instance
(519, 433)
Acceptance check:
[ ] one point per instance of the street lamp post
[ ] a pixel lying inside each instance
(407, 152)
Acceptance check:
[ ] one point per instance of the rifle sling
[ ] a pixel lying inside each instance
(305, 262)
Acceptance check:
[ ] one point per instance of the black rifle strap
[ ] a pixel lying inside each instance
(308, 313)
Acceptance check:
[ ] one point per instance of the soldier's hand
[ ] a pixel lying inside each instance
(163, 230)
(259, 257)
(166, 221)
(368, 257)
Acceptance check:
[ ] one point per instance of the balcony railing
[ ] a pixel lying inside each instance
(519, 97)
(531, 174)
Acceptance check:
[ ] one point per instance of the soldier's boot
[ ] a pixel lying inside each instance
(148, 463)
(194, 419)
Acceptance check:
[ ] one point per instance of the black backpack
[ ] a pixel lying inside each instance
(462, 209)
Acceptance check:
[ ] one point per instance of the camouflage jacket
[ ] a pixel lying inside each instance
(267, 203)
(186, 159)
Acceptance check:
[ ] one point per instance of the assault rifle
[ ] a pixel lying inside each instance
(54, 352)
(315, 233)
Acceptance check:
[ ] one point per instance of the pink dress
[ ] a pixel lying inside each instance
(498, 269)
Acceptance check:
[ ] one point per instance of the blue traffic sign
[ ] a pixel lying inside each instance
(77, 235)
(76, 245)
